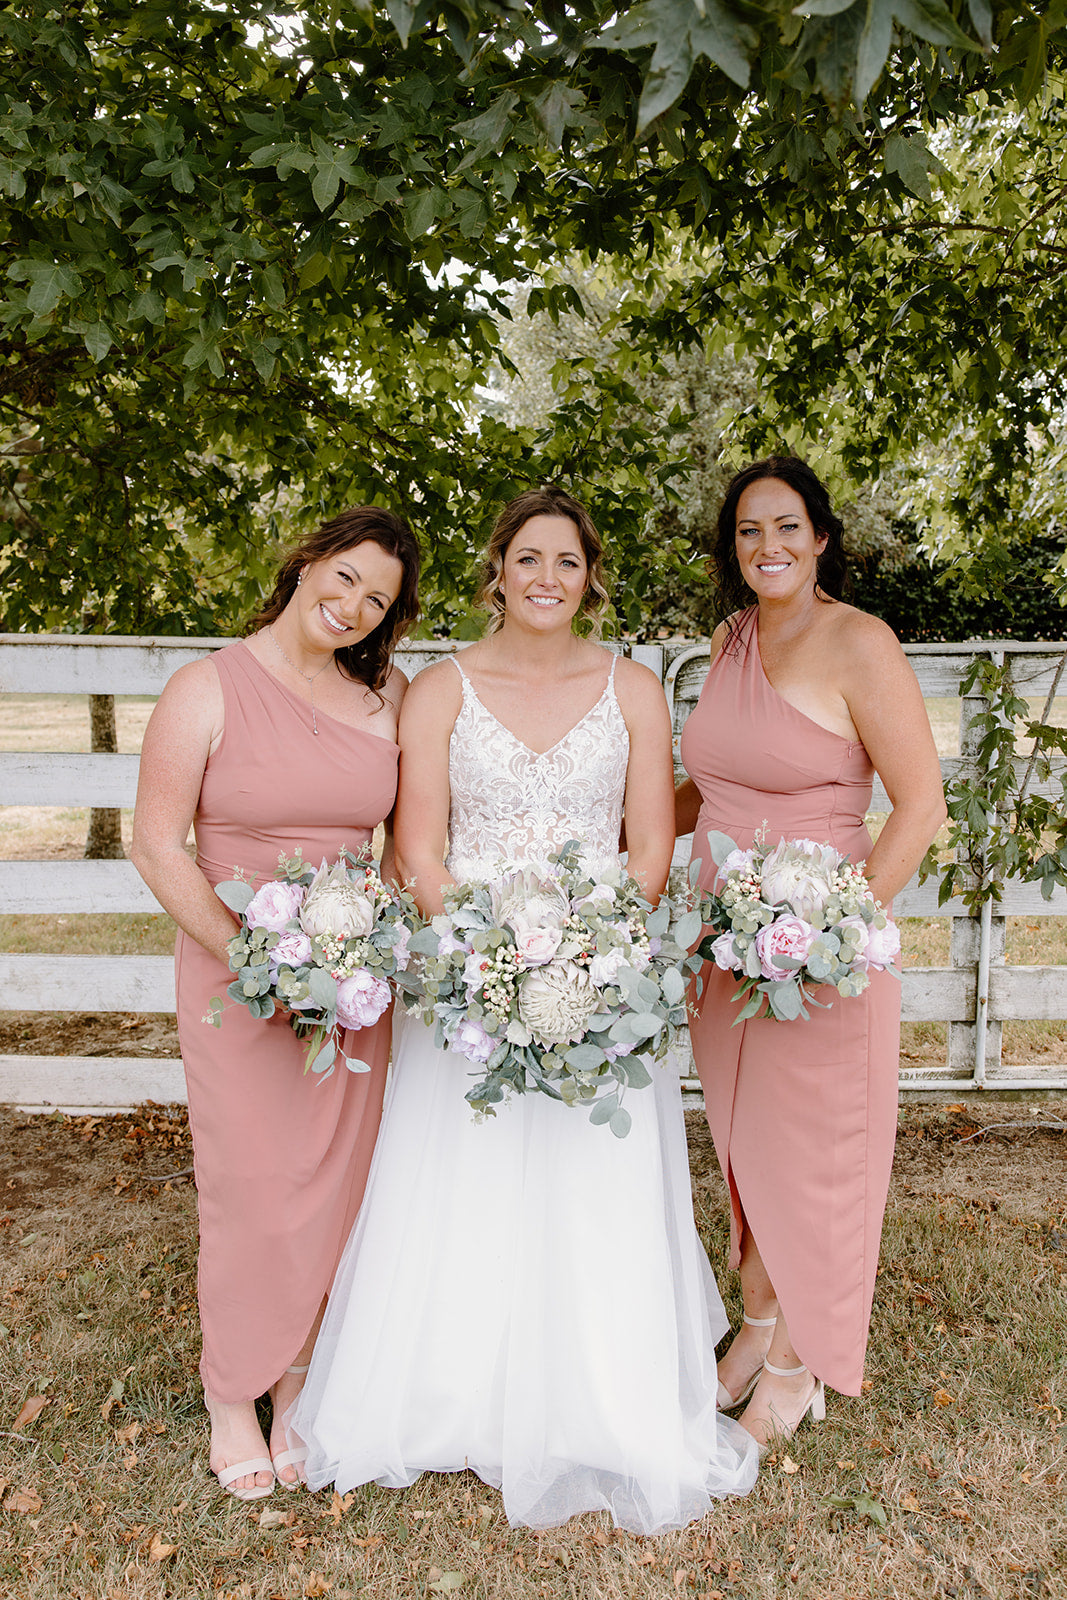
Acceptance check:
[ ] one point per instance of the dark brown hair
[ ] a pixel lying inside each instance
(370, 660)
(547, 502)
(731, 592)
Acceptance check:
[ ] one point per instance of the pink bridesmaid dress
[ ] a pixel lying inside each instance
(281, 1159)
(803, 1114)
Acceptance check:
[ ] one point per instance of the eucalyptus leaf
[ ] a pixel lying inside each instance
(235, 895)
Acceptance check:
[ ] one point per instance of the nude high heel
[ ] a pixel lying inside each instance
(815, 1408)
(725, 1401)
(290, 1457)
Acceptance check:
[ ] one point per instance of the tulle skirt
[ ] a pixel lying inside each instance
(526, 1297)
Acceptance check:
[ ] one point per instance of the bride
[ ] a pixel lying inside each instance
(527, 1296)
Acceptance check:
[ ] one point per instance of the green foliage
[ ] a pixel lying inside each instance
(253, 258)
(922, 601)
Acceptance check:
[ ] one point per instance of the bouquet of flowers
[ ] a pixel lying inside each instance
(798, 915)
(554, 980)
(323, 944)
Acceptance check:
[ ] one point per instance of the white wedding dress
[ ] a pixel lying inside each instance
(526, 1296)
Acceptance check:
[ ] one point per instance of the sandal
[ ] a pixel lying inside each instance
(290, 1457)
(725, 1401)
(782, 1432)
(246, 1469)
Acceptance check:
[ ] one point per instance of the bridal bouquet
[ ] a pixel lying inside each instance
(320, 943)
(798, 915)
(554, 980)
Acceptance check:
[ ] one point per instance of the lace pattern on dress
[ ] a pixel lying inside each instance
(511, 806)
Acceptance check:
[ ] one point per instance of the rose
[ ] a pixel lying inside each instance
(400, 947)
(335, 906)
(722, 952)
(556, 1001)
(791, 937)
(537, 945)
(274, 905)
(293, 949)
(361, 999)
(797, 874)
(604, 969)
(601, 897)
(471, 1040)
(883, 945)
(736, 861)
(476, 970)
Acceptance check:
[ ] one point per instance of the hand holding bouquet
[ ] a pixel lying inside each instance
(556, 981)
(321, 943)
(795, 917)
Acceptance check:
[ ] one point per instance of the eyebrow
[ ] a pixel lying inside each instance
(354, 570)
(534, 550)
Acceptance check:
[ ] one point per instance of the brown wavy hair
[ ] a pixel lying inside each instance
(546, 502)
(370, 660)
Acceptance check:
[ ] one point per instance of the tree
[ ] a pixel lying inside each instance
(258, 250)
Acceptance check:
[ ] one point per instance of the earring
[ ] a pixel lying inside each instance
(299, 579)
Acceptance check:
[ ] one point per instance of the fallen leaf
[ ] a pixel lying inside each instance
(680, 1575)
(368, 1544)
(26, 1501)
(30, 1410)
(789, 1465)
(158, 1551)
(943, 1398)
(339, 1506)
(128, 1435)
(317, 1585)
(447, 1582)
(910, 1502)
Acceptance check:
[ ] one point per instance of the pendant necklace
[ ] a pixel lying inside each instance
(308, 677)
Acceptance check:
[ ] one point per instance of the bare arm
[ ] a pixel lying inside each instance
(649, 777)
(394, 691)
(886, 705)
(687, 797)
(181, 730)
(422, 802)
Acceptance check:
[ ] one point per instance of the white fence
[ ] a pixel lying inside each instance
(974, 995)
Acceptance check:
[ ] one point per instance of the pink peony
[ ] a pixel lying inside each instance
(274, 905)
(787, 936)
(883, 945)
(471, 1040)
(537, 945)
(293, 949)
(361, 999)
(400, 949)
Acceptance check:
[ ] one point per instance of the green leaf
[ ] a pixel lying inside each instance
(687, 928)
(875, 40)
(620, 1123)
(645, 1026)
(720, 845)
(933, 21)
(322, 988)
(721, 36)
(555, 109)
(673, 985)
(604, 1109)
(98, 340)
(326, 1058)
(908, 155)
(420, 211)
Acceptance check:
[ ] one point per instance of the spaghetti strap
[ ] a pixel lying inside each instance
(455, 662)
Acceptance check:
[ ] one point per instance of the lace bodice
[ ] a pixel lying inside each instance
(510, 805)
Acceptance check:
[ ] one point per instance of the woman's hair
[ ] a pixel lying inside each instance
(731, 592)
(370, 660)
(546, 502)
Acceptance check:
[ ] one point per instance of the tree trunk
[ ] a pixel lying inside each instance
(105, 822)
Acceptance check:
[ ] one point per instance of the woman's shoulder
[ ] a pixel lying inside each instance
(861, 632)
(437, 689)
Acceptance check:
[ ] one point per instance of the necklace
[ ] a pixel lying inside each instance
(308, 677)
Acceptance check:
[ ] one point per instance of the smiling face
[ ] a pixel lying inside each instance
(545, 573)
(345, 596)
(776, 542)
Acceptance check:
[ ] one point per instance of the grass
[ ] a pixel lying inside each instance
(945, 1478)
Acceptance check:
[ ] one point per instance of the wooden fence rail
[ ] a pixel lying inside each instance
(974, 995)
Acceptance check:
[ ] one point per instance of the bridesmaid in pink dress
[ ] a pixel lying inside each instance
(805, 700)
(282, 740)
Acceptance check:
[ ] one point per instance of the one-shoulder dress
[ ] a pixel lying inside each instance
(280, 1159)
(526, 1296)
(803, 1114)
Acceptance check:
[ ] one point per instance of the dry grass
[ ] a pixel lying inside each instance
(946, 1478)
